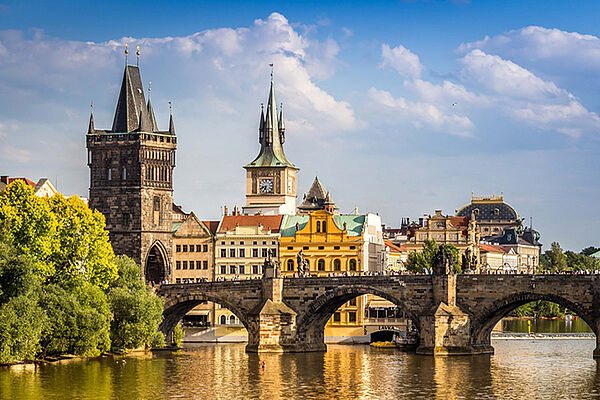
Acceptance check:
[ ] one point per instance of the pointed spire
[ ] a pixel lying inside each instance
(145, 125)
(131, 102)
(150, 110)
(171, 124)
(261, 124)
(281, 126)
(91, 125)
(271, 117)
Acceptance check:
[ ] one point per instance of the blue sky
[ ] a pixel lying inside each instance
(399, 107)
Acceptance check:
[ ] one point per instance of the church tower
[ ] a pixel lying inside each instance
(131, 179)
(271, 177)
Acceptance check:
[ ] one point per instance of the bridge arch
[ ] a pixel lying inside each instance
(484, 321)
(311, 321)
(177, 306)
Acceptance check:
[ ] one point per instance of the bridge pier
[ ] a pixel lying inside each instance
(446, 329)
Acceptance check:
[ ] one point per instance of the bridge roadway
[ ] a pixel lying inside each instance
(454, 314)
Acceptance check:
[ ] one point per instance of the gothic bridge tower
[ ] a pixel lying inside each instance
(131, 179)
(271, 177)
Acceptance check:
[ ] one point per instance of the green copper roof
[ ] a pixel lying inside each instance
(354, 223)
(596, 254)
(288, 225)
(177, 225)
(271, 137)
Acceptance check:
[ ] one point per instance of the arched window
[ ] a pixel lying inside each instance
(290, 264)
(352, 264)
(337, 265)
(324, 226)
(223, 320)
(318, 225)
(321, 265)
(232, 320)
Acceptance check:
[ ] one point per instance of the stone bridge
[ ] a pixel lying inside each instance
(454, 314)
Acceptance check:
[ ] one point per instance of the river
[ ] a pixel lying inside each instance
(520, 369)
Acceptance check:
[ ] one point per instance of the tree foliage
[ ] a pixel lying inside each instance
(22, 322)
(432, 255)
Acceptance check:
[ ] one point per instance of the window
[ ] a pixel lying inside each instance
(321, 265)
(192, 263)
(242, 269)
(265, 252)
(232, 253)
(242, 253)
(352, 316)
(264, 242)
(255, 243)
(223, 253)
(290, 248)
(192, 247)
(352, 264)
(255, 269)
(185, 265)
(222, 242)
(336, 247)
(241, 243)
(324, 226)
(177, 264)
(273, 242)
(304, 247)
(290, 265)
(223, 320)
(178, 280)
(204, 264)
(198, 248)
(223, 269)
(352, 247)
(232, 320)
(336, 317)
(274, 252)
(205, 248)
(178, 248)
(125, 219)
(124, 173)
(318, 226)
(232, 270)
(254, 252)
(185, 248)
(232, 243)
(496, 212)
(352, 302)
(337, 265)
(321, 247)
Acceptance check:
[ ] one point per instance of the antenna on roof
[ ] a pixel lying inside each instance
(126, 52)
(137, 53)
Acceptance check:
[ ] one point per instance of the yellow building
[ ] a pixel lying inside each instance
(331, 244)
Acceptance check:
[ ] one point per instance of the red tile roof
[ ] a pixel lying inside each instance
(272, 222)
(491, 248)
(460, 222)
(212, 226)
(395, 248)
(27, 181)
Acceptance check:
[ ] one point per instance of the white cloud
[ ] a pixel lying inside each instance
(419, 114)
(504, 77)
(13, 154)
(405, 62)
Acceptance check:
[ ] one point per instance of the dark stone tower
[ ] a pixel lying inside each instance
(131, 179)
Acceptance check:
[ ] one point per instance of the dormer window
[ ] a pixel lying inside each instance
(496, 212)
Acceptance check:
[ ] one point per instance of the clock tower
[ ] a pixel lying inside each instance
(271, 177)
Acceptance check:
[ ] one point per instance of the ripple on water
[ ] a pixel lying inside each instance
(540, 369)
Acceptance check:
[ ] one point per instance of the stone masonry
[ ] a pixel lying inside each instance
(454, 314)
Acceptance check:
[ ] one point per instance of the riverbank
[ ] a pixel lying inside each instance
(566, 335)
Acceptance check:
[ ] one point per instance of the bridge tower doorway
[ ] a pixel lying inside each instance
(155, 270)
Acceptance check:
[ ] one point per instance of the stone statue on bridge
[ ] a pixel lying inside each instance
(302, 263)
(271, 267)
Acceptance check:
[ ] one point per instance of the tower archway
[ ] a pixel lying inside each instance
(156, 266)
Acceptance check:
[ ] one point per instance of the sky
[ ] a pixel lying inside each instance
(400, 108)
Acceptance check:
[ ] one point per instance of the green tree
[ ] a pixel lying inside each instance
(553, 260)
(419, 262)
(28, 225)
(22, 322)
(581, 262)
(449, 251)
(79, 320)
(137, 312)
(178, 334)
(17, 274)
(84, 249)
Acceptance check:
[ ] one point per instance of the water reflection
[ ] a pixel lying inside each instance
(519, 369)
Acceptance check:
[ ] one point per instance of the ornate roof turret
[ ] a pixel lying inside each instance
(145, 124)
(171, 125)
(151, 115)
(271, 137)
(317, 198)
(281, 126)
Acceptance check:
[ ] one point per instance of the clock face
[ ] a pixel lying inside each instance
(266, 185)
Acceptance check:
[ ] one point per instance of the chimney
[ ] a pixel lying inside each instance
(225, 211)
(4, 179)
(438, 213)
(421, 221)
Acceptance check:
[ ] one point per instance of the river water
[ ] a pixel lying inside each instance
(520, 369)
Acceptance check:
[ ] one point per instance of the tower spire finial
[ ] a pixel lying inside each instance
(170, 108)
(126, 52)
(271, 65)
(149, 89)
(137, 53)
